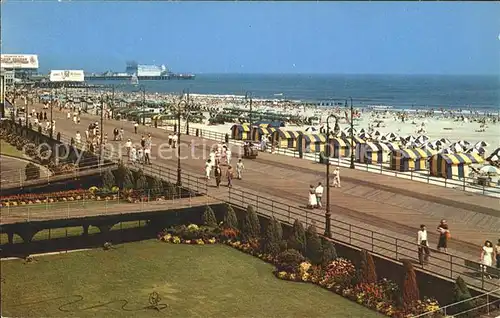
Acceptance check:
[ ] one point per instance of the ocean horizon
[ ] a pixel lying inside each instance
(481, 92)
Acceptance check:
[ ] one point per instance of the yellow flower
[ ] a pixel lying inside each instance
(293, 276)
(192, 227)
(304, 266)
(282, 275)
(305, 277)
(167, 237)
(176, 240)
(200, 242)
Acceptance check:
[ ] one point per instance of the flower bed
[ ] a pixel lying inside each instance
(339, 276)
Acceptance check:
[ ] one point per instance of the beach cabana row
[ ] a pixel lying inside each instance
(240, 132)
(410, 159)
(370, 152)
(259, 131)
(287, 139)
(453, 166)
(314, 142)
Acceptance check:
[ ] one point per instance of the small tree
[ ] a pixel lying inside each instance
(297, 239)
(120, 174)
(32, 171)
(367, 272)
(128, 182)
(108, 180)
(170, 190)
(141, 183)
(156, 186)
(273, 237)
(329, 253)
(460, 294)
(230, 219)
(411, 293)
(314, 250)
(251, 224)
(209, 217)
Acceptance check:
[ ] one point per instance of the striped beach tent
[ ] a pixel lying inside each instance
(453, 166)
(313, 142)
(287, 139)
(410, 159)
(240, 132)
(371, 152)
(259, 131)
(339, 147)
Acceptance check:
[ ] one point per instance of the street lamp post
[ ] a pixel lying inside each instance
(248, 97)
(101, 99)
(328, 215)
(352, 136)
(51, 121)
(179, 171)
(143, 89)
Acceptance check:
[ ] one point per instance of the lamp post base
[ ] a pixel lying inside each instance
(179, 172)
(328, 224)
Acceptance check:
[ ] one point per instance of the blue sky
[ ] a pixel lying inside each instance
(259, 37)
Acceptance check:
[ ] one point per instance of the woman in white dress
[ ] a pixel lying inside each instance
(133, 155)
(487, 256)
(313, 202)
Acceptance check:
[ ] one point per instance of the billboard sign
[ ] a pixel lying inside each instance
(67, 76)
(19, 61)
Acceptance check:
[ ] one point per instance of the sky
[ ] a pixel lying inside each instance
(258, 37)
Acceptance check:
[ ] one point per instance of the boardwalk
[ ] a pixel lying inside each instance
(390, 205)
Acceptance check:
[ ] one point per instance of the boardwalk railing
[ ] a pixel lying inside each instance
(446, 265)
(482, 304)
(84, 203)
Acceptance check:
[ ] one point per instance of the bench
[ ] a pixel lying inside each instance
(478, 267)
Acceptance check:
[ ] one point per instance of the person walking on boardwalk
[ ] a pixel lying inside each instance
(444, 235)
(497, 254)
(423, 245)
(312, 198)
(170, 140)
(121, 134)
(239, 169)
(128, 146)
(132, 155)
(336, 177)
(319, 194)
(487, 257)
(78, 138)
(175, 138)
(208, 169)
(228, 156)
(136, 126)
(218, 175)
(229, 175)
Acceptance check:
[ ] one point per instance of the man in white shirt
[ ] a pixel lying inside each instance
(319, 194)
(423, 245)
(128, 146)
(136, 125)
(174, 140)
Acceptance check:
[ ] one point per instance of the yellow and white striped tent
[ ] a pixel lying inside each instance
(240, 132)
(339, 147)
(371, 152)
(313, 142)
(453, 166)
(263, 130)
(410, 159)
(287, 139)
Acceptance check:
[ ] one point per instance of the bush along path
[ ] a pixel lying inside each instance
(305, 257)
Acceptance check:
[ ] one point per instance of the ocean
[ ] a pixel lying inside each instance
(399, 91)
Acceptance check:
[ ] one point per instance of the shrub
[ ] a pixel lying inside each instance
(297, 239)
(411, 293)
(123, 177)
(314, 250)
(251, 224)
(156, 186)
(141, 183)
(273, 237)
(170, 190)
(289, 260)
(367, 273)
(128, 182)
(461, 293)
(108, 180)
(329, 253)
(230, 219)
(209, 217)
(32, 171)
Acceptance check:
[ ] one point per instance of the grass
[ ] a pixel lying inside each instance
(193, 281)
(8, 149)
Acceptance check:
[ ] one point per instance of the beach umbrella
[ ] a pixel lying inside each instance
(391, 136)
(410, 138)
(377, 133)
(463, 143)
(422, 139)
(439, 142)
(365, 136)
(480, 144)
(309, 129)
(490, 170)
(493, 158)
(348, 130)
(362, 131)
(456, 147)
(447, 151)
(383, 138)
(480, 150)
(444, 140)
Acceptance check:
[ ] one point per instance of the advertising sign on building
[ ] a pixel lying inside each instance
(19, 61)
(67, 76)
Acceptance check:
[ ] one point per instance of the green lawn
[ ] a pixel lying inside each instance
(8, 149)
(194, 281)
